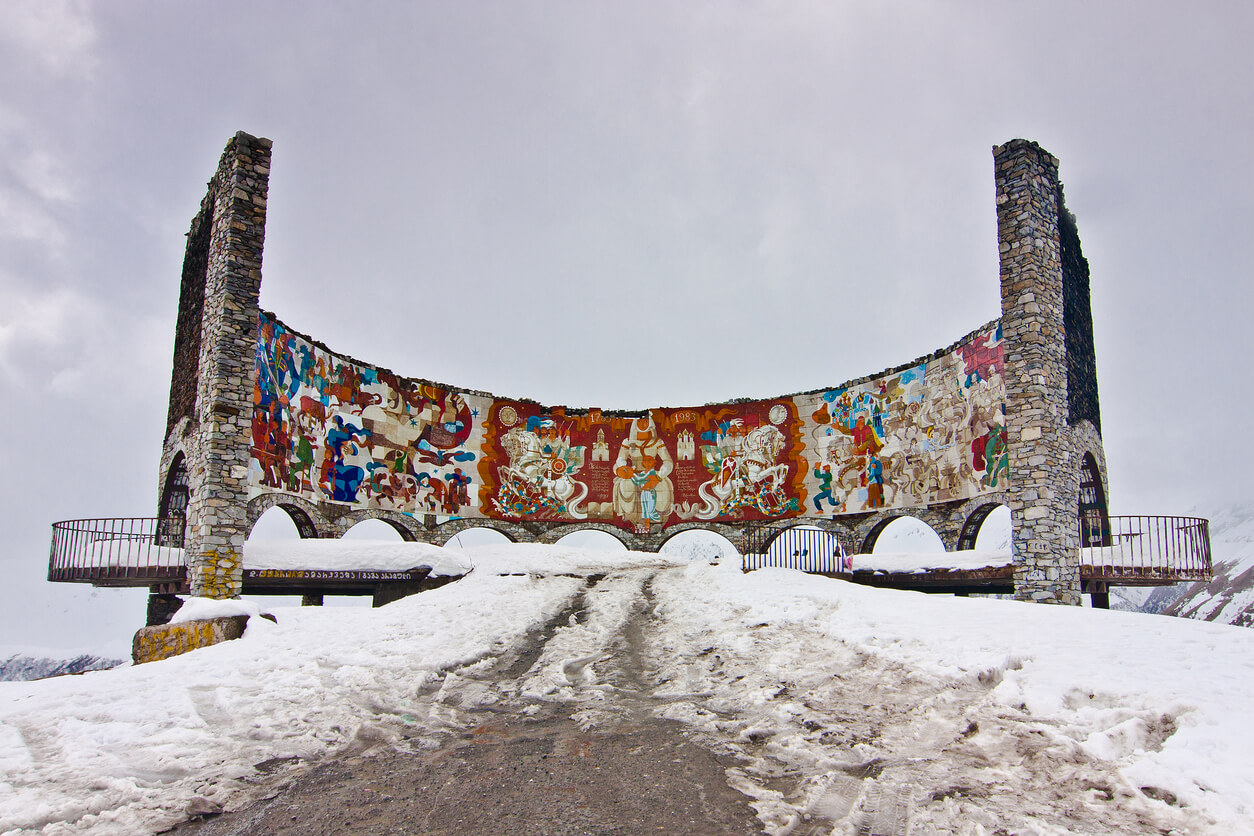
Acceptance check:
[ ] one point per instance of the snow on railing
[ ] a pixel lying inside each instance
(1146, 547)
(117, 549)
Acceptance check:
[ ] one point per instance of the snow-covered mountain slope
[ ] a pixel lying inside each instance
(1229, 597)
(18, 667)
(1146, 599)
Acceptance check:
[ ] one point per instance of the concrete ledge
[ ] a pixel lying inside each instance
(152, 644)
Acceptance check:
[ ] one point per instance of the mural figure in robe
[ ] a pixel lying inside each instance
(643, 492)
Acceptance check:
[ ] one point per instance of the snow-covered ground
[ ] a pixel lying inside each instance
(347, 555)
(973, 714)
(915, 562)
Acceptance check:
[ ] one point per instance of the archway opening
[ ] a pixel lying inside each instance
(174, 498)
(699, 545)
(475, 537)
(592, 538)
(372, 530)
(909, 535)
(807, 548)
(995, 533)
(987, 528)
(1094, 517)
(274, 524)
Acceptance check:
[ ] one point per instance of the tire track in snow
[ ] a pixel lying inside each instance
(833, 738)
(560, 737)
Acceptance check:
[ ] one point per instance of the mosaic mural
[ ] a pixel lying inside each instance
(731, 463)
(327, 429)
(332, 430)
(934, 432)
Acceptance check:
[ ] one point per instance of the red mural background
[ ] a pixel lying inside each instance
(730, 462)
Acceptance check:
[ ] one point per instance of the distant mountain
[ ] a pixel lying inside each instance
(1229, 597)
(18, 668)
(1150, 599)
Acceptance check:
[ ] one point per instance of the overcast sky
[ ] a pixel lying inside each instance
(609, 204)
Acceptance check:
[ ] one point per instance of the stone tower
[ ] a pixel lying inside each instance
(210, 416)
(1051, 388)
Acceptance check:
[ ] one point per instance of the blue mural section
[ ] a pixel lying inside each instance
(328, 429)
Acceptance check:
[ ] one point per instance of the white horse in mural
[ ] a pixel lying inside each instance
(762, 449)
(529, 464)
(743, 474)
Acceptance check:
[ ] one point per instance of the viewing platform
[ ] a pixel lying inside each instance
(148, 552)
(1118, 551)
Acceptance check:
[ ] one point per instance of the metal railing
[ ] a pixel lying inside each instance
(805, 548)
(1146, 547)
(117, 550)
(1139, 549)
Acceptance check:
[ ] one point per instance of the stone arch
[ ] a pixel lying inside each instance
(372, 524)
(406, 533)
(873, 536)
(304, 515)
(558, 532)
(403, 524)
(175, 494)
(448, 530)
(971, 528)
(454, 543)
(602, 541)
(699, 529)
(670, 531)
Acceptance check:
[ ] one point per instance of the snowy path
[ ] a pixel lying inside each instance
(822, 736)
(825, 736)
(832, 735)
(125, 751)
(833, 709)
(555, 737)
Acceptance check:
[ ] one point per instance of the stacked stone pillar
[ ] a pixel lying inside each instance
(1044, 472)
(214, 433)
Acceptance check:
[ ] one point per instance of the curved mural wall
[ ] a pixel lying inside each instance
(328, 428)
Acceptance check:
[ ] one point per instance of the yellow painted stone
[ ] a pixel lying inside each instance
(151, 644)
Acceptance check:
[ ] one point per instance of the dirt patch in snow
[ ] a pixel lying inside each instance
(523, 776)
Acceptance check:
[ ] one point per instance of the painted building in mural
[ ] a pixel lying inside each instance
(329, 429)
(264, 416)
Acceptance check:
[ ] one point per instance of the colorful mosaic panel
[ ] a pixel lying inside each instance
(331, 430)
(935, 432)
(727, 463)
(327, 429)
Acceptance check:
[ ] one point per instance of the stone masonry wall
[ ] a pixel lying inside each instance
(1082, 401)
(215, 437)
(1044, 472)
(191, 313)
